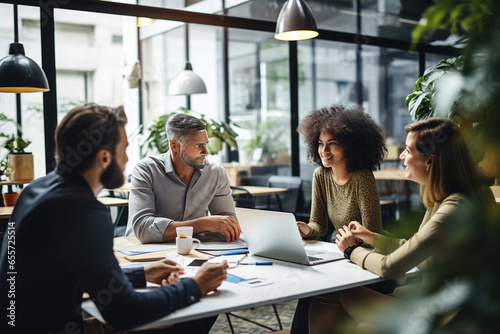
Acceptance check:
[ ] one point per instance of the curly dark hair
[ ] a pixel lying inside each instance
(362, 139)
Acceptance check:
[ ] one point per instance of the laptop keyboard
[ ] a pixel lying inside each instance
(314, 255)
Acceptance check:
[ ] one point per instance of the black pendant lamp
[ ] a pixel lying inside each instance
(18, 73)
(295, 22)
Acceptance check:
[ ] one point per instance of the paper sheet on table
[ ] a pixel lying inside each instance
(182, 260)
(146, 249)
(215, 246)
(134, 264)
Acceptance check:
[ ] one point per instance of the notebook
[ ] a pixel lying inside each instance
(276, 235)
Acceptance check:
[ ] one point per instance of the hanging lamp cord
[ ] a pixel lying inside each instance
(16, 28)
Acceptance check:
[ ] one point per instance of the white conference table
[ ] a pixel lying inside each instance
(289, 281)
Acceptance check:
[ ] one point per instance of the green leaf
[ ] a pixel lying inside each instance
(417, 84)
(419, 106)
(410, 97)
(4, 119)
(214, 145)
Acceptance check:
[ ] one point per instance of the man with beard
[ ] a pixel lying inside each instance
(176, 188)
(59, 242)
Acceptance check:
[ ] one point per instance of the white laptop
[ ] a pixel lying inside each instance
(276, 235)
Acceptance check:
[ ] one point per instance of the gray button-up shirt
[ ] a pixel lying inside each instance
(158, 196)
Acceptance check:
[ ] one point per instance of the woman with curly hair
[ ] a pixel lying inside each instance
(348, 145)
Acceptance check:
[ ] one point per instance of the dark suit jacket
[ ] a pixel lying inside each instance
(59, 243)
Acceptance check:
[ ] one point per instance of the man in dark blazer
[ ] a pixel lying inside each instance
(59, 242)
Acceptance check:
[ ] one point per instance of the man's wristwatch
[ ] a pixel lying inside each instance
(348, 251)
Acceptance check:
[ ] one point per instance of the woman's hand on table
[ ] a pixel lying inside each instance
(163, 272)
(304, 229)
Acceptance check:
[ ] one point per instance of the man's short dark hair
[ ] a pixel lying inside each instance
(179, 124)
(84, 131)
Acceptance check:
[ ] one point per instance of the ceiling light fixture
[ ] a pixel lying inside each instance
(295, 22)
(187, 82)
(144, 21)
(18, 73)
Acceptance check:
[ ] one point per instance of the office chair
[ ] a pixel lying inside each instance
(261, 202)
(289, 199)
(121, 213)
(245, 200)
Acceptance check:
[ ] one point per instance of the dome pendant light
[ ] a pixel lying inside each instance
(18, 73)
(295, 22)
(187, 82)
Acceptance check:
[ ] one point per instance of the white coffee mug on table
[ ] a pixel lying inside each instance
(185, 244)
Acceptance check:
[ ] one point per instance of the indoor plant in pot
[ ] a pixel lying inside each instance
(17, 165)
(15, 145)
(20, 161)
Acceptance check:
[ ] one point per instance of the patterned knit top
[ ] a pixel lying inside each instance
(356, 200)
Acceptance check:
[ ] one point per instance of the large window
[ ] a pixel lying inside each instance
(107, 59)
(95, 58)
(390, 75)
(395, 19)
(164, 56)
(259, 97)
(31, 111)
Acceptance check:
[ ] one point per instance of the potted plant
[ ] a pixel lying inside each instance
(20, 161)
(271, 137)
(156, 140)
(17, 165)
(471, 95)
(427, 101)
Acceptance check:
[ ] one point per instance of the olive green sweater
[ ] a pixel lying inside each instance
(356, 200)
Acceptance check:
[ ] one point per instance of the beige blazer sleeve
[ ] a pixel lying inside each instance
(411, 253)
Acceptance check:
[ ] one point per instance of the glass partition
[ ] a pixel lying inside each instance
(259, 99)
(163, 55)
(31, 111)
(96, 56)
(432, 59)
(395, 19)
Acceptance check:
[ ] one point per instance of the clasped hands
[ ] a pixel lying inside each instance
(347, 235)
(209, 277)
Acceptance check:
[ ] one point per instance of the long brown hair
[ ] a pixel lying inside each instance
(452, 169)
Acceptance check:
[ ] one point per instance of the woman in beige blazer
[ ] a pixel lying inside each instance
(438, 158)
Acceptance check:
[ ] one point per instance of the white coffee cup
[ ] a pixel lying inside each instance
(186, 230)
(184, 245)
